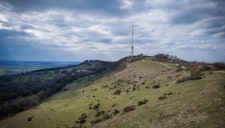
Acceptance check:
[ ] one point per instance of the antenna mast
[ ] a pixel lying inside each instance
(132, 41)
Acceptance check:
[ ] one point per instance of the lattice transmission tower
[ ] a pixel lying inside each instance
(132, 40)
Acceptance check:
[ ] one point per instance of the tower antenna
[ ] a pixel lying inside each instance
(132, 40)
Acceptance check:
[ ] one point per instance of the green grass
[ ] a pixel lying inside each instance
(195, 103)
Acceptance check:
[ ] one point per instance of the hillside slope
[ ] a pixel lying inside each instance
(145, 94)
(20, 92)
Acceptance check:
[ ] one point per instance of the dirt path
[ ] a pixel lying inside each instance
(168, 66)
(220, 71)
(165, 65)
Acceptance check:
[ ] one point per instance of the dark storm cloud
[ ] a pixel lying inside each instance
(209, 15)
(193, 11)
(109, 7)
(216, 26)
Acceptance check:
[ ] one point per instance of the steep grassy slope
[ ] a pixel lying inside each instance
(147, 89)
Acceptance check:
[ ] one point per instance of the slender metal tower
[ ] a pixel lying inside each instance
(132, 40)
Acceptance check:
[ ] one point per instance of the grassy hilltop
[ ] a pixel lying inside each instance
(143, 93)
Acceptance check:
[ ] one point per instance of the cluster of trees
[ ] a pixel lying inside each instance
(167, 58)
(13, 106)
(219, 65)
(16, 86)
(171, 58)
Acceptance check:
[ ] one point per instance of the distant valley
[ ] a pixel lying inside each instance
(10, 67)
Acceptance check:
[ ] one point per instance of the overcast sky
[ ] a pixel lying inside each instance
(76, 30)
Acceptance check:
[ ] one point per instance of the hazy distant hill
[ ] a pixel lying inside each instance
(16, 67)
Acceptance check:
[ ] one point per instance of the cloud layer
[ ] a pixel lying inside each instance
(96, 29)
